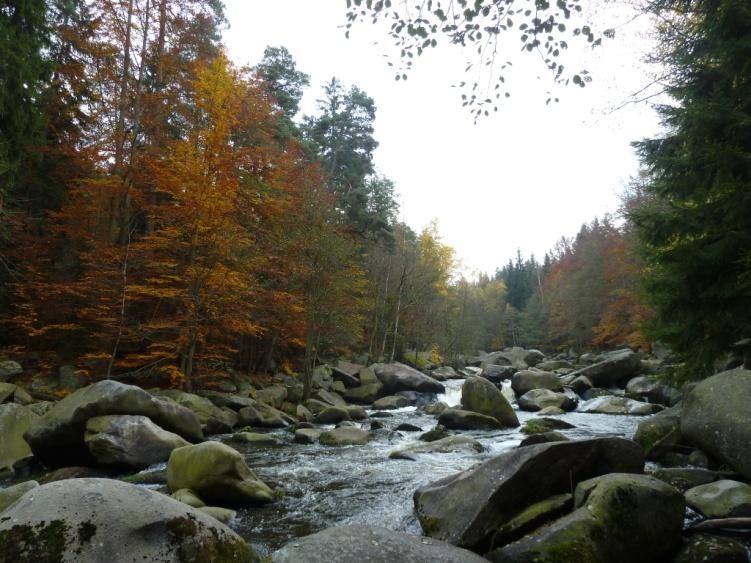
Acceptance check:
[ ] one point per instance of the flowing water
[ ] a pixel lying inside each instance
(327, 486)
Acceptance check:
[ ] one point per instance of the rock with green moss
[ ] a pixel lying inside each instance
(658, 434)
(345, 436)
(400, 377)
(543, 438)
(57, 438)
(224, 515)
(434, 434)
(481, 396)
(307, 435)
(717, 418)
(458, 419)
(95, 520)
(9, 370)
(332, 415)
(467, 508)
(254, 438)
(214, 419)
(544, 424)
(436, 408)
(10, 393)
(449, 444)
(706, 548)
(11, 494)
(365, 394)
(390, 402)
(370, 544)
(273, 395)
(15, 421)
(721, 499)
(186, 496)
(356, 413)
(619, 518)
(538, 399)
(129, 440)
(533, 517)
(528, 379)
(217, 473)
(685, 478)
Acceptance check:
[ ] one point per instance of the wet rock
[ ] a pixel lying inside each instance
(77, 472)
(620, 518)
(684, 478)
(356, 413)
(15, 421)
(400, 377)
(527, 380)
(307, 435)
(481, 396)
(331, 415)
(540, 425)
(496, 373)
(543, 438)
(365, 394)
(391, 402)
(417, 399)
(580, 384)
(444, 372)
(551, 411)
(224, 515)
(613, 368)
(659, 433)
(437, 433)
(532, 518)
(436, 408)
(346, 436)
(406, 427)
(255, 438)
(186, 496)
(706, 548)
(457, 419)
(128, 440)
(465, 509)
(595, 392)
(721, 499)
(213, 419)
(717, 418)
(619, 405)
(381, 414)
(217, 473)
(11, 494)
(372, 545)
(449, 444)
(653, 391)
(538, 399)
(95, 520)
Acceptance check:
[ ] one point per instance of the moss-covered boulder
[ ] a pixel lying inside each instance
(532, 517)
(436, 408)
(538, 399)
(458, 419)
(529, 379)
(254, 438)
(364, 394)
(57, 438)
(11, 494)
(95, 520)
(544, 424)
(467, 508)
(706, 548)
(129, 440)
(332, 415)
(658, 434)
(186, 496)
(685, 478)
(716, 417)
(612, 368)
(481, 396)
(10, 393)
(217, 473)
(214, 419)
(446, 445)
(721, 499)
(15, 421)
(9, 370)
(345, 436)
(543, 438)
(372, 545)
(391, 402)
(273, 395)
(307, 435)
(620, 518)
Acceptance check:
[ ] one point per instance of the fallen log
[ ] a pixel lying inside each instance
(720, 523)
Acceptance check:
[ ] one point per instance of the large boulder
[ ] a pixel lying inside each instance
(613, 368)
(332, 415)
(273, 395)
(348, 373)
(214, 420)
(658, 434)
(466, 508)
(95, 520)
(716, 417)
(708, 548)
(57, 438)
(364, 394)
(390, 403)
(444, 372)
(721, 499)
(618, 405)
(527, 379)
(619, 519)
(400, 377)
(538, 399)
(370, 544)
(9, 370)
(653, 391)
(10, 495)
(345, 436)
(496, 373)
(129, 440)
(458, 419)
(481, 396)
(10, 393)
(15, 421)
(217, 473)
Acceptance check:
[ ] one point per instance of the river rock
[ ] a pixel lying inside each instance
(390, 403)
(345, 436)
(553, 365)
(481, 396)
(213, 419)
(659, 433)
(11, 393)
(620, 518)
(543, 438)
(538, 399)
(9, 370)
(129, 440)
(465, 509)
(400, 377)
(186, 496)
(721, 499)
(307, 435)
(544, 424)
(580, 384)
(619, 405)
(527, 380)
(449, 444)
(707, 548)
(417, 399)
(437, 433)
(96, 520)
(444, 372)
(685, 478)
(532, 518)
(273, 395)
(364, 394)
(347, 372)
(15, 421)
(330, 398)
(228, 400)
(653, 391)
(11, 494)
(614, 368)
(57, 438)
(551, 411)
(533, 357)
(217, 473)
(254, 438)
(370, 544)
(332, 415)
(716, 417)
(458, 419)
(496, 373)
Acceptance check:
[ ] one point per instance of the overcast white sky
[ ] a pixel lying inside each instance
(521, 178)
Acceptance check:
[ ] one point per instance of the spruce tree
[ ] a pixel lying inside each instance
(695, 227)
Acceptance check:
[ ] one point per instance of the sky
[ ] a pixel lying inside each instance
(519, 179)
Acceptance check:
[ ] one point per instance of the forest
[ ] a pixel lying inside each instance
(166, 214)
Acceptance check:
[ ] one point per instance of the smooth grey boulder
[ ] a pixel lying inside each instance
(685, 478)
(213, 419)
(721, 499)
(496, 373)
(436, 408)
(400, 377)
(129, 440)
(444, 445)
(580, 384)
(15, 421)
(538, 399)
(614, 404)
(481, 396)
(11, 393)
(364, 394)
(57, 438)
(11, 494)
(619, 518)
(466, 508)
(390, 403)
(444, 372)
(347, 372)
(9, 370)
(716, 417)
(345, 436)
(307, 435)
(227, 400)
(658, 434)
(96, 520)
(332, 415)
(612, 368)
(526, 380)
(217, 473)
(458, 419)
(653, 391)
(370, 544)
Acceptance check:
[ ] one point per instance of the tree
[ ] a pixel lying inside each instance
(694, 229)
(283, 81)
